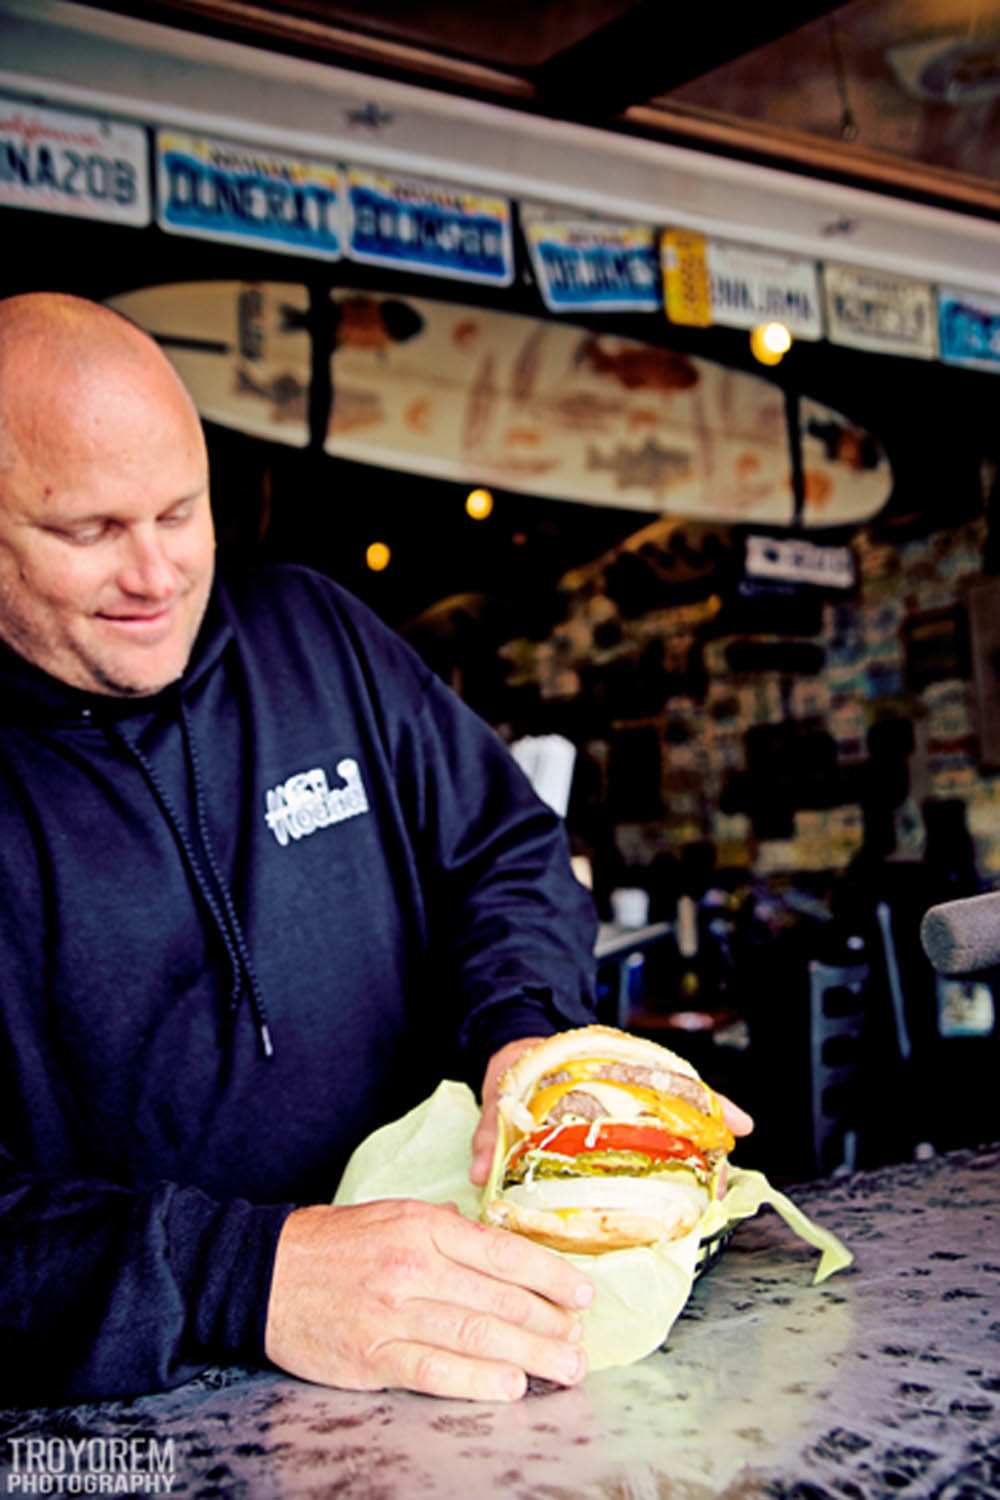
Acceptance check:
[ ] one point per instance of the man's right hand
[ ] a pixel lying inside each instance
(405, 1294)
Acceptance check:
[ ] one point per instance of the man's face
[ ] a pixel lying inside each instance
(106, 540)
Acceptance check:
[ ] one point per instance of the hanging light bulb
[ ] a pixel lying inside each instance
(478, 504)
(377, 556)
(770, 342)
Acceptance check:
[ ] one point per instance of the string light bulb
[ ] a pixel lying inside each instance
(478, 504)
(377, 556)
(770, 342)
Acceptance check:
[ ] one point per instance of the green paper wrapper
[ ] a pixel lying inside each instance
(640, 1293)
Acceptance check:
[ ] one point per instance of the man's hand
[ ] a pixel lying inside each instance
(484, 1140)
(405, 1294)
(739, 1122)
(485, 1137)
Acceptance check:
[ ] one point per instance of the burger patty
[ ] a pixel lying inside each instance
(581, 1105)
(661, 1079)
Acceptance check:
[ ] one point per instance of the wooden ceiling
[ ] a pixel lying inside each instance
(798, 83)
(903, 91)
(585, 59)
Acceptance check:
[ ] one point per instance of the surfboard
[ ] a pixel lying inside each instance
(534, 405)
(242, 350)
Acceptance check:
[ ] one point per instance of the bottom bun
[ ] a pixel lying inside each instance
(592, 1231)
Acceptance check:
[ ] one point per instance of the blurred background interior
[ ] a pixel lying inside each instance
(758, 602)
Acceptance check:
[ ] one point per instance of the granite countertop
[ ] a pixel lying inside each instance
(885, 1381)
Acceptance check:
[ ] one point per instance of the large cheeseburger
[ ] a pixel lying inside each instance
(605, 1141)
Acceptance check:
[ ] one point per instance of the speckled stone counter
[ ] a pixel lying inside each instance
(883, 1382)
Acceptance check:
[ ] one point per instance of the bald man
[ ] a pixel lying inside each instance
(263, 881)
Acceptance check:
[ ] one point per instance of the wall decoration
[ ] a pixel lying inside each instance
(434, 228)
(936, 646)
(687, 286)
(83, 165)
(780, 771)
(970, 329)
(878, 311)
(242, 350)
(248, 195)
(750, 285)
(590, 265)
(555, 410)
(958, 68)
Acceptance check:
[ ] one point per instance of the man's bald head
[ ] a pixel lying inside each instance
(72, 323)
(106, 546)
(55, 347)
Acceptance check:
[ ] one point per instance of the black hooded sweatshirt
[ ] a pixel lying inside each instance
(242, 923)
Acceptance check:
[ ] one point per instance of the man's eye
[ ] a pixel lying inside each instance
(178, 515)
(84, 536)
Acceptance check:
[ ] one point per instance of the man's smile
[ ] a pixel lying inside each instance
(141, 624)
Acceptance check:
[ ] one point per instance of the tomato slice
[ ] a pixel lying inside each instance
(572, 1140)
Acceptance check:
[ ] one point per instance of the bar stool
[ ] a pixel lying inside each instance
(837, 1025)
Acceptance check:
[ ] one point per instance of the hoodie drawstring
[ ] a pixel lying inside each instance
(226, 920)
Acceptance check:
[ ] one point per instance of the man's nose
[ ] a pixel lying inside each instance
(147, 570)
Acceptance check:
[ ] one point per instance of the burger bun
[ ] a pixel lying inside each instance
(632, 1212)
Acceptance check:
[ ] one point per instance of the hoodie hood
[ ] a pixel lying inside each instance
(33, 698)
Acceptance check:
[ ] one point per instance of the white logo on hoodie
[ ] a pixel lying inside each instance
(305, 802)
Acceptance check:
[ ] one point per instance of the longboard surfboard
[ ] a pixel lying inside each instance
(528, 404)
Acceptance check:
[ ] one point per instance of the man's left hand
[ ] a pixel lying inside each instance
(484, 1140)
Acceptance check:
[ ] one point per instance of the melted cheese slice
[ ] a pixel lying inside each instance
(631, 1101)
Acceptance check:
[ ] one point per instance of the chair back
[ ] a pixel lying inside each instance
(837, 1025)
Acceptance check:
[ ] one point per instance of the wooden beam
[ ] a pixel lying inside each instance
(656, 47)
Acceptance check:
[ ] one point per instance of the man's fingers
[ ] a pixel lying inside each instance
(739, 1122)
(483, 1143)
(512, 1259)
(492, 1340)
(499, 1299)
(438, 1372)
(484, 1138)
